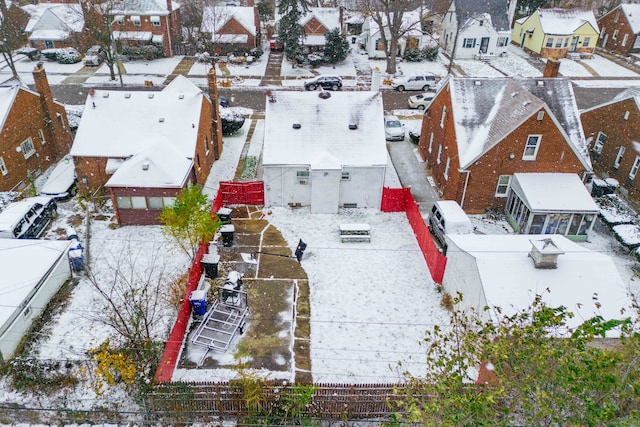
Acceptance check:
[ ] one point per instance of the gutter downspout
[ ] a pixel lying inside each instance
(464, 190)
(169, 34)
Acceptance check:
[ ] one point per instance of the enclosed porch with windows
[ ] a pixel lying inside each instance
(550, 203)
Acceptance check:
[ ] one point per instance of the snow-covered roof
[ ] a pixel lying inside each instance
(61, 18)
(486, 110)
(215, 17)
(553, 192)
(120, 124)
(60, 179)
(324, 127)
(329, 17)
(19, 282)
(632, 12)
(139, 7)
(509, 279)
(632, 92)
(161, 165)
(559, 21)
(410, 24)
(469, 10)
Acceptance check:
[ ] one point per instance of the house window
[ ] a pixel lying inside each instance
(379, 44)
(41, 135)
(626, 115)
(616, 17)
(3, 167)
(615, 34)
(123, 202)
(346, 176)
(625, 39)
(600, 140)
(139, 202)
(439, 153)
(586, 41)
(444, 114)
(155, 21)
(302, 177)
(634, 168)
(168, 201)
(503, 185)
(540, 115)
(136, 20)
(119, 19)
(155, 202)
(469, 43)
(481, 22)
(549, 42)
(566, 42)
(531, 148)
(27, 148)
(616, 164)
(446, 169)
(431, 142)
(503, 41)
(558, 43)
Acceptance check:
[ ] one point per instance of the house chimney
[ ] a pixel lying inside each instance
(216, 122)
(551, 69)
(169, 6)
(256, 22)
(54, 116)
(544, 253)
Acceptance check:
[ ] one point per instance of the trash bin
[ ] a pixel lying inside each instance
(227, 231)
(224, 215)
(209, 263)
(198, 300)
(76, 258)
(353, 39)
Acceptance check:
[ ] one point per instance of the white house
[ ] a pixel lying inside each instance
(53, 24)
(324, 149)
(412, 35)
(508, 271)
(32, 272)
(482, 27)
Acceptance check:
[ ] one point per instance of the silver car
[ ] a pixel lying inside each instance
(422, 82)
(393, 129)
(420, 101)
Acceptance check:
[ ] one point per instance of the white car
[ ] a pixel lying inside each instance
(421, 101)
(393, 129)
(423, 82)
(61, 184)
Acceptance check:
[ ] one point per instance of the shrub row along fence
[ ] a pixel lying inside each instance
(179, 401)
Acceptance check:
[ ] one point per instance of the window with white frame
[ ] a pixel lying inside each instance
(468, 43)
(43, 141)
(119, 19)
(155, 203)
(135, 19)
(549, 42)
(346, 176)
(531, 147)
(27, 148)
(302, 177)
(444, 114)
(615, 34)
(379, 44)
(566, 42)
(3, 167)
(558, 43)
(626, 115)
(634, 169)
(616, 163)
(431, 142)
(503, 185)
(503, 41)
(600, 140)
(624, 40)
(446, 169)
(586, 41)
(155, 21)
(439, 153)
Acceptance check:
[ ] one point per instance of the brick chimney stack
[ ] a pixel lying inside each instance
(551, 69)
(216, 128)
(55, 116)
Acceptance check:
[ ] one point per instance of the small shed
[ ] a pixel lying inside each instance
(551, 203)
(32, 272)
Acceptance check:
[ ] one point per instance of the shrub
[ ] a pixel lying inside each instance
(256, 52)
(145, 52)
(413, 55)
(430, 53)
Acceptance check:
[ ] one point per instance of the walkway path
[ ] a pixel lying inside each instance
(183, 67)
(272, 75)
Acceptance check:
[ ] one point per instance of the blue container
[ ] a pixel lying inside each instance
(198, 300)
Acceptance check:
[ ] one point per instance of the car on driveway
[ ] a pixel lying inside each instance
(27, 218)
(420, 101)
(423, 82)
(393, 129)
(61, 184)
(325, 82)
(94, 56)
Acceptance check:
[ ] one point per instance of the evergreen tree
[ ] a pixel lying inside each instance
(336, 48)
(291, 33)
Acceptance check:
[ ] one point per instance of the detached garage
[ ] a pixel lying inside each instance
(33, 271)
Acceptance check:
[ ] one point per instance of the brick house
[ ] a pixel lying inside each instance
(146, 23)
(478, 132)
(554, 33)
(612, 131)
(620, 30)
(53, 25)
(232, 28)
(319, 21)
(35, 131)
(144, 147)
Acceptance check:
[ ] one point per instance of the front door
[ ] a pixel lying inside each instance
(484, 44)
(574, 43)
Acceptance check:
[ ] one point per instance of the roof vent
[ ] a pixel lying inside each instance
(514, 94)
(105, 95)
(150, 96)
(297, 125)
(145, 166)
(353, 126)
(544, 253)
(324, 94)
(181, 96)
(540, 83)
(161, 119)
(477, 82)
(526, 103)
(127, 95)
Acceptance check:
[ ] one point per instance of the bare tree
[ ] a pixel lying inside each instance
(389, 16)
(98, 30)
(13, 20)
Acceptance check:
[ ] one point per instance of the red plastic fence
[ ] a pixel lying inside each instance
(242, 193)
(401, 200)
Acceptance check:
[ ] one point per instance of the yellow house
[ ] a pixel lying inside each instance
(554, 33)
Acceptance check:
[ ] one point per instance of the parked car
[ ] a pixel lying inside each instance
(325, 82)
(94, 56)
(393, 129)
(414, 135)
(422, 82)
(27, 218)
(447, 217)
(421, 101)
(61, 184)
(30, 52)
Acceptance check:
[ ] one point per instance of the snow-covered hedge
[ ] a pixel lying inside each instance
(614, 210)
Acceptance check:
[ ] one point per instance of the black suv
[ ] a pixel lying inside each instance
(325, 82)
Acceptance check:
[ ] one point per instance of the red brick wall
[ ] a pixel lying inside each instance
(234, 27)
(315, 28)
(91, 173)
(169, 27)
(608, 25)
(609, 119)
(140, 216)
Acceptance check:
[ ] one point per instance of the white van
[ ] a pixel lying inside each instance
(27, 218)
(447, 217)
